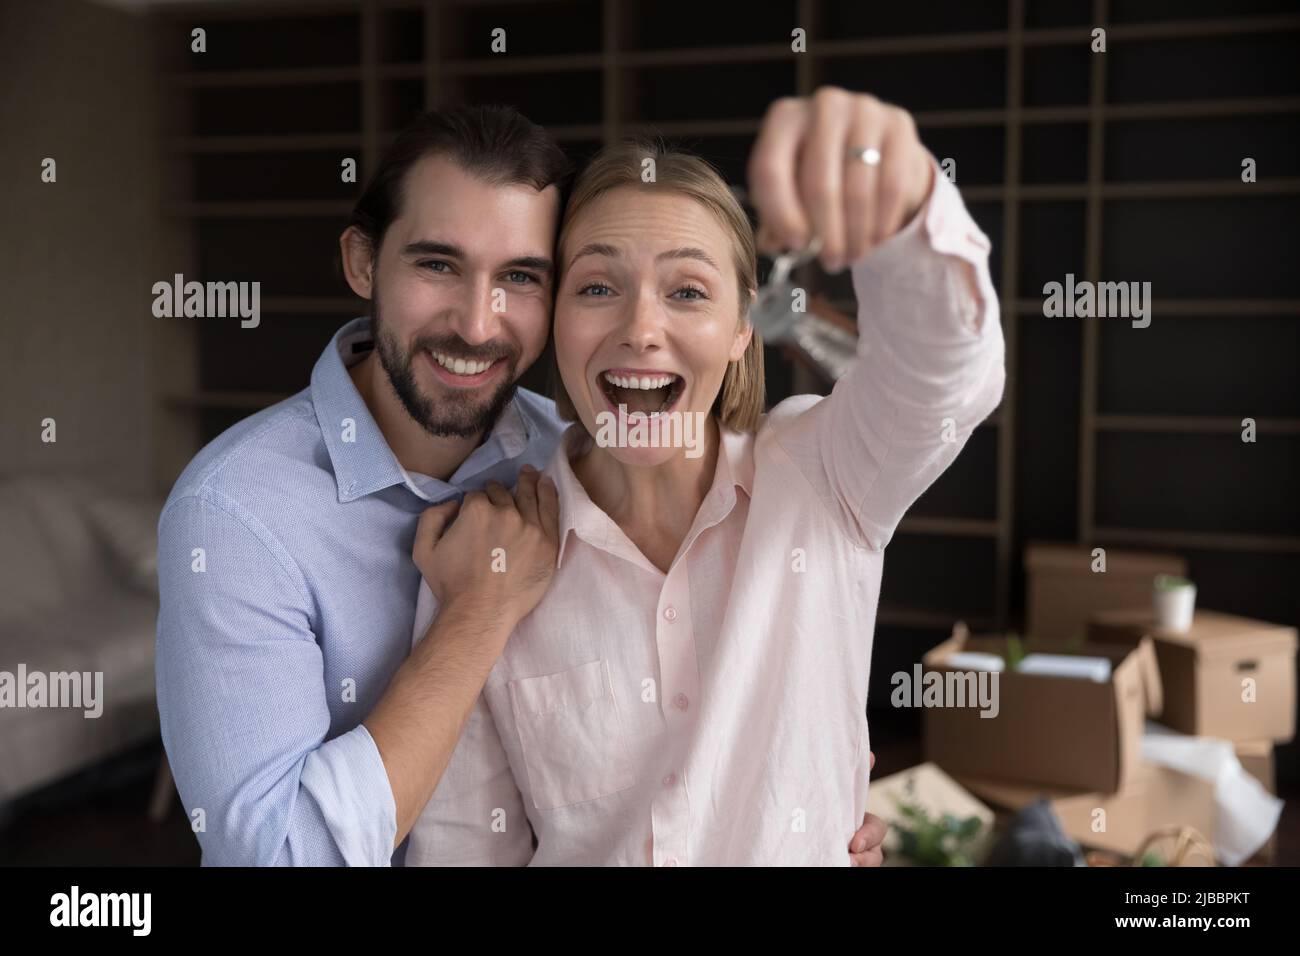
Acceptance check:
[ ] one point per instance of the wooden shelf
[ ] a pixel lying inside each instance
(401, 71)
(263, 209)
(576, 132)
(214, 10)
(958, 527)
(301, 142)
(524, 65)
(893, 615)
(685, 128)
(1177, 189)
(1182, 308)
(1194, 424)
(294, 76)
(1203, 109)
(1199, 540)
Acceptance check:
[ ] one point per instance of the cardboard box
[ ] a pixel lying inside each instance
(928, 787)
(1202, 672)
(1050, 731)
(1063, 591)
(1154, 797)
(1256, 758)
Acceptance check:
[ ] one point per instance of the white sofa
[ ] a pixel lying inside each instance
(78, 592)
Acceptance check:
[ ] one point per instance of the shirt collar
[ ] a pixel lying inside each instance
(509, 439)
(362, 461)
(579, 514)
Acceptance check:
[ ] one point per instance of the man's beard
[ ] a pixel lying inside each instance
(457, 415)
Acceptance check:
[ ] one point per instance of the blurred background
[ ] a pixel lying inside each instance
(1122, 165)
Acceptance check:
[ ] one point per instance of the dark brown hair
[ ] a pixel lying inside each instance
(496, 143)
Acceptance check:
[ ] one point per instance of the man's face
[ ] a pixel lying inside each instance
(461, 294)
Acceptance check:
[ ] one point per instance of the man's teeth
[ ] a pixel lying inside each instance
(460, 366)
(640, 382)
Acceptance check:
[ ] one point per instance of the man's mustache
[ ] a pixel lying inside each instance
(456, 347)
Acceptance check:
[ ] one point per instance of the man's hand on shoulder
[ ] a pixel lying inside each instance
(491, 556)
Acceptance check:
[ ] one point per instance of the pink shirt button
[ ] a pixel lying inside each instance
(681, 702)
(670, 613)
(670, 780)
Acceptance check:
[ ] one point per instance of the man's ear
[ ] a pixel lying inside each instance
(358, 261)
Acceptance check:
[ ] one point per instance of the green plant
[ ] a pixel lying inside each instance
(1151, 858)
(948, 841)
(1171, 582)
(1015, 651)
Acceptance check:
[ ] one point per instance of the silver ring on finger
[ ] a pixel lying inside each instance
(867, 155)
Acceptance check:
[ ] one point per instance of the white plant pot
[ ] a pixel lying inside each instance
(1174, 607)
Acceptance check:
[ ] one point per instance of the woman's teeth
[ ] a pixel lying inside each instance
(641, 382)
(460, 366)
(649, 394)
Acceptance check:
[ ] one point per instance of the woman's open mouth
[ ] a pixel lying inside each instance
(641, 390)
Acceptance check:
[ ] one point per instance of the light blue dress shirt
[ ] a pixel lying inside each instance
(287, 600)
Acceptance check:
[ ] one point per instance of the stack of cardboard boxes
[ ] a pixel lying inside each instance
(1079, 742)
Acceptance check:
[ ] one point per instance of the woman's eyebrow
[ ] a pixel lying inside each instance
(613, 252)
(689, 252)
(597, 249)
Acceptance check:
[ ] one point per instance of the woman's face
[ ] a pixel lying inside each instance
(647, 313)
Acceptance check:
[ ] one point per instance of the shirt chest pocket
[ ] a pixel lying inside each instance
(570, 735)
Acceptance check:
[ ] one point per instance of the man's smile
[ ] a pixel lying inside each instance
(463, 373)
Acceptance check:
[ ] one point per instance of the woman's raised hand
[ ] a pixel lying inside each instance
(840, 166)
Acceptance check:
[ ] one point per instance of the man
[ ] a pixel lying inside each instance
(298, 729)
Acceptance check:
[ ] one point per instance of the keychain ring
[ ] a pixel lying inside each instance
(787, 262)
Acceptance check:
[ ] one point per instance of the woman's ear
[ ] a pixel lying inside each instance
(744, 331)
(358, 261)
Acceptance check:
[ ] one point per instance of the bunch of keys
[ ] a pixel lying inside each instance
(830, 348)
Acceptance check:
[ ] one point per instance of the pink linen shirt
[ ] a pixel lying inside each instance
(716, 714)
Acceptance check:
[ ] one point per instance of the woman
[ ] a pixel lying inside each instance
(692, 687)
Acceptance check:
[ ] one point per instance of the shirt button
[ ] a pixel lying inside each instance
(681, 702)
(670, 780)
(670, 613)
(671, 861)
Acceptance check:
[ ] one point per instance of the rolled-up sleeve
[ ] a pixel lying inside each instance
(243, 705)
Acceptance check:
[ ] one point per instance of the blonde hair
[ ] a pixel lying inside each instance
(739, 404)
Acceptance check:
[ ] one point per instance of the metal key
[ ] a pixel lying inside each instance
(772, 316)
(830, 348)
